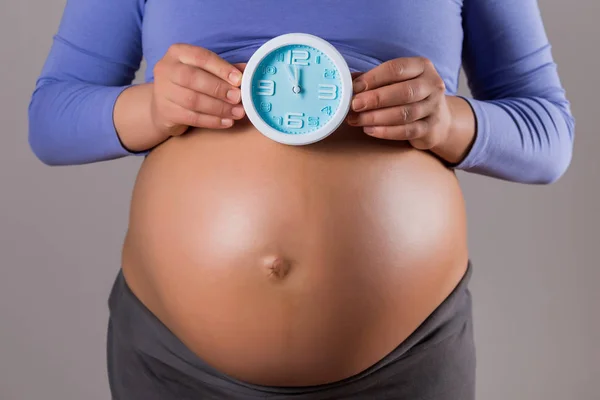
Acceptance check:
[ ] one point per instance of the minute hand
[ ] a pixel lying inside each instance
(297, 75)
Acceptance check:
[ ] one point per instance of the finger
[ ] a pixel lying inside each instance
(204, 82)
(400, 115)
(414, 131)
(187, 117)
(207, 60)
(240, 66)
(202, 103)
(397, 70)
(397, 94)
(356, 74)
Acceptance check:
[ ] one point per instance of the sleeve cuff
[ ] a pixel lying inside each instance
(477, 152)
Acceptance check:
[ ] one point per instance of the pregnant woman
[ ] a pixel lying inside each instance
(337, 270)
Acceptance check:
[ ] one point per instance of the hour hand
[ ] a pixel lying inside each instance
(292, 74)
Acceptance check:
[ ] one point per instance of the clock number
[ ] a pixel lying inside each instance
(299, 57)
(278, 120)
(329, 74)
(266, 88)
(313, 121)
(265, 106)
(269, 70)
(327, 110)
(294, 120)
(328, 92)
(318, 60)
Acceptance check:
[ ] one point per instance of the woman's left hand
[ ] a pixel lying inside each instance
(403, 99)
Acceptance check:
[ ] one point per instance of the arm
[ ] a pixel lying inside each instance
(93, 60)
(524, 127)
(134, 122)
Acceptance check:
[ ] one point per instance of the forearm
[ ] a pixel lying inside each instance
(524, 139)
(71, 123)
(93, 59)
(524, 125)
(133, 119)
(461, 134)
(527, 140)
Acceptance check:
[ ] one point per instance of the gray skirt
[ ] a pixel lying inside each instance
(147, 362)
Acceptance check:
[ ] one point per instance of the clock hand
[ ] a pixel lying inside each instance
(297, 70)
(291, 74)
(294, 77)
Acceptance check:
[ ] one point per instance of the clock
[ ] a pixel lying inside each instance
(296, 89)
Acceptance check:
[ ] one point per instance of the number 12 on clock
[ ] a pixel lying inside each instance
(294, 57)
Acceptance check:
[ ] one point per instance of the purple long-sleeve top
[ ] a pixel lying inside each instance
(524, 123)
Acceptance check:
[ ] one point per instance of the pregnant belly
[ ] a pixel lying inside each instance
(291, 266)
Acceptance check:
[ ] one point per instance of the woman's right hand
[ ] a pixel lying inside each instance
(194, 87)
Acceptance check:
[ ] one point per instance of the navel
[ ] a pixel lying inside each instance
(276, 267)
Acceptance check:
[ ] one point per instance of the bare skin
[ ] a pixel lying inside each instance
(192, 87)
(283, 265)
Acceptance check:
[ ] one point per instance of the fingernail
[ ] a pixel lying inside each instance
(369, 130)
(359, 86)
(233, 95)
(226, 122)
(235, 77)
(352, 119)
(238, 111)
(358, 104)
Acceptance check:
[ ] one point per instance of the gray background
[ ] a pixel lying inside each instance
(534, 248)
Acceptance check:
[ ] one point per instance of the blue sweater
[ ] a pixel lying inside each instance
(524, 124)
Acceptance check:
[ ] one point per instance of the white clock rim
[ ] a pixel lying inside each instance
(297, 39)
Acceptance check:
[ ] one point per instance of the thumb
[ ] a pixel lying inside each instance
(240, 66)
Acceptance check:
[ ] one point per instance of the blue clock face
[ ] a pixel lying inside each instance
(296, 89)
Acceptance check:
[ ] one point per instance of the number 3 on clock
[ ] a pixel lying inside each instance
(328, 92)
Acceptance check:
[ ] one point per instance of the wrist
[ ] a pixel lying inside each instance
(133, 119)
(461, 132)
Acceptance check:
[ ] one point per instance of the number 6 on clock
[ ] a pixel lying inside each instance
(294, 120)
